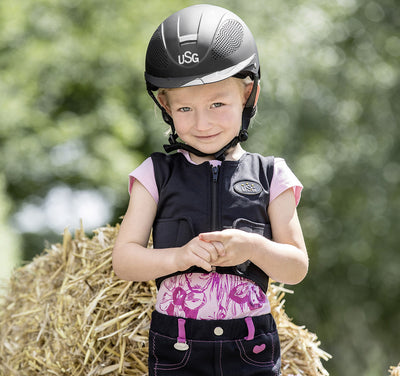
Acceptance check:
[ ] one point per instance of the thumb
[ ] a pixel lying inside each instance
(216, 239)
(210, 236)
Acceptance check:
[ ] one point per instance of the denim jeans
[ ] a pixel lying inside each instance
(238, 347)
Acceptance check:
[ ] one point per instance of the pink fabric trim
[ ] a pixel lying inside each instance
(250, 328)
(284, 179)
(181, 331)
(145, 174)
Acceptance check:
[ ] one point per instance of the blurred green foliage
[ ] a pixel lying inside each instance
(74, 113)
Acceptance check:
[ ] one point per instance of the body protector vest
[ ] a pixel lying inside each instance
(200, 198)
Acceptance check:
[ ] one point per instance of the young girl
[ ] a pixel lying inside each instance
(223, 220)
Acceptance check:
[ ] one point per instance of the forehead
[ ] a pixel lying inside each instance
(227, 87)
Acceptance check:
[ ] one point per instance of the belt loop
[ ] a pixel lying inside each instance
(181, 344)
(250, 328)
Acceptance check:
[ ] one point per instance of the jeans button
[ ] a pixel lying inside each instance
(181, 346)
(218, 331)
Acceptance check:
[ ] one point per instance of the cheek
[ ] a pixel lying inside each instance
(231, 118)
(182, 124)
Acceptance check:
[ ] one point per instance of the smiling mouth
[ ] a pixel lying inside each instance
(208, 137)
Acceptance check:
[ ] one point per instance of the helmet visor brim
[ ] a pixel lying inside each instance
(249, 65)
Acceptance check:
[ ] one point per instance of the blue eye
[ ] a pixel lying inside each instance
(217, 104)
(184, 109)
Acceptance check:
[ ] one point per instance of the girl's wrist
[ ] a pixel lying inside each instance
(257, 247)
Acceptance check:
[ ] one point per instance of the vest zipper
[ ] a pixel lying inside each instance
(214, 202)
(214, 198)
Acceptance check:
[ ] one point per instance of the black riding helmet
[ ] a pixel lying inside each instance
(198, 45)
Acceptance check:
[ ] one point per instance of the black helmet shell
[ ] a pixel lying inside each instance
(198, 45)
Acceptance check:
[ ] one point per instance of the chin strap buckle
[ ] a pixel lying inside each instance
(243, 135)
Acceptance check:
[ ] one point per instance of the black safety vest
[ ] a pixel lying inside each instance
(200, 198)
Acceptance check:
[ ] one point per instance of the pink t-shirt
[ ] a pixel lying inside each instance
(214, 296)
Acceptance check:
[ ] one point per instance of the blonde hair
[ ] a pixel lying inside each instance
(246, 81)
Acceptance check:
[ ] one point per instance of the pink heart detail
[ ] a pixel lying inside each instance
(258, 348)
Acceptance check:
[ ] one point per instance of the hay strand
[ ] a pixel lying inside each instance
(66, 313)
(395, 371)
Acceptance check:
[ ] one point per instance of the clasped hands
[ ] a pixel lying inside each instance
(218, 248)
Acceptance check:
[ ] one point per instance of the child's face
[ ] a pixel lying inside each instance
(207, 117)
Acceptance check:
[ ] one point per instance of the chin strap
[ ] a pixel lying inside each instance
(219, 155)
(175, 145)
(248, 112)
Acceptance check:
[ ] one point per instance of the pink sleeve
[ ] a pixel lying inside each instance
(284, 179)
(145, 174)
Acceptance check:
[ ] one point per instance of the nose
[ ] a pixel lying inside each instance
(203, 121)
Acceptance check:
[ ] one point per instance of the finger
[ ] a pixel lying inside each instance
(213, 250)
(202, 263)
(215, 236)
(220, 249)
(203, 252)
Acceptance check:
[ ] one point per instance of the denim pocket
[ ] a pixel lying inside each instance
(163, 356)
(262, 351)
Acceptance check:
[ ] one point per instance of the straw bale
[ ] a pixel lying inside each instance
(395, 371)
(66, 313)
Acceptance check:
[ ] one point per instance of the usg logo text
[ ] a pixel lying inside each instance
(188, 57)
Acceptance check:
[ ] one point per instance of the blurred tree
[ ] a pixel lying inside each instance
(75, 120)
(332, 100)
(10, 252)
(74, 111)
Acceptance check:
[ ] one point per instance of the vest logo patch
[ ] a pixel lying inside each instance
(247, 187)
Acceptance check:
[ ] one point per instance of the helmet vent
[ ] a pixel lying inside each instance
(156, 54)
(228, 39)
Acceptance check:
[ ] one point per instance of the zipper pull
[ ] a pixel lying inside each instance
(215, 173)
